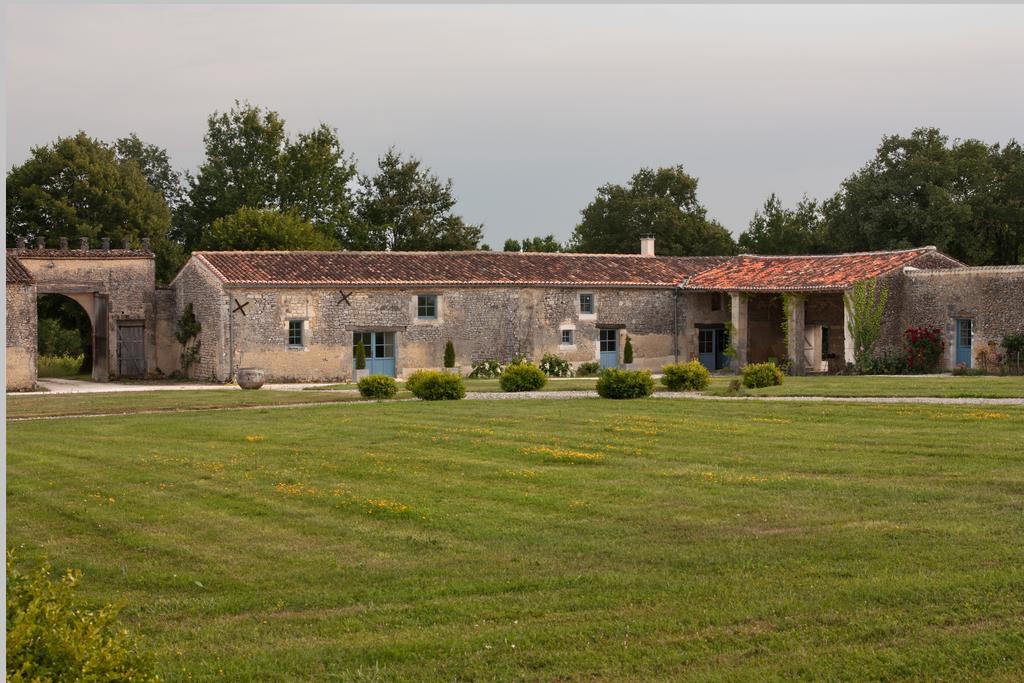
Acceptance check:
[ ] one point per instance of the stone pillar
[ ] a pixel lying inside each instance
(795, 347)
(100, 339)
(739, 329)
(848, 348)
(83, 243)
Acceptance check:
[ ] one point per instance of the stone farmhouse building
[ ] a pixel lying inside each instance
(299, 315)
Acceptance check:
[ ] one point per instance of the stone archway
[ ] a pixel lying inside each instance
(94, 303)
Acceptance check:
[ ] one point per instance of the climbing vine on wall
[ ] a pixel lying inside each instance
(187, 332)
(864, 307)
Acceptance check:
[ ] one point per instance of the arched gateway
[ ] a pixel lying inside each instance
(116, 287)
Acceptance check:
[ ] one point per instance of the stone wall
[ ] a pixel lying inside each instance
(992, 297)
(196, 285)
(110, 289)
(21, 336)
(481, 322)
(168, 350)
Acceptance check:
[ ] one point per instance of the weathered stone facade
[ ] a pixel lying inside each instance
(21, 336)
(992, 298)
(482, 323)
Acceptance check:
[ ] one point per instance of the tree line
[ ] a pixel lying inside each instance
(259, 188)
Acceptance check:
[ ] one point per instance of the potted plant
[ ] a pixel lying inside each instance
(627, 354)
(360, 352)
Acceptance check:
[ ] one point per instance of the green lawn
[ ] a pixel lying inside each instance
(896, 385)
(543, 540)
(43, 405)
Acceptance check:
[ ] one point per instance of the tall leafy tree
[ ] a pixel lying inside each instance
(155, 165)
(964, 197)
(660, 202)
(778, 230)
(266, 230)
(250, 162)
(547, 243)
(405, 207)
(78, 187)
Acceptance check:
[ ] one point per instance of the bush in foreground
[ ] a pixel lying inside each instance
(522, 377)
(50, 639)
(758, 375)
(588, 369)
(615, 383)
(377, 386)
(431, 385)
(690, 376)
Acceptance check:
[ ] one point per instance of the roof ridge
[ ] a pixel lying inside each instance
(879, 252)
(542, 254)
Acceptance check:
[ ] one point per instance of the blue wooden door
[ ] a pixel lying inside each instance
(964, 337)
(609, 346)
(380, 351)
(706, 348)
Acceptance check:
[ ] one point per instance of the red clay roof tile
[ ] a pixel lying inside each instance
(473, 268)
(17, 272)
(803, 273)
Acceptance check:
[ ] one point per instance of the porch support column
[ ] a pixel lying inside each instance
(100, 339)
(795, 347)
(848, 348)
(739, 329)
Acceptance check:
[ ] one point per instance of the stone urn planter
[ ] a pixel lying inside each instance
(361, 374)
(251, 378)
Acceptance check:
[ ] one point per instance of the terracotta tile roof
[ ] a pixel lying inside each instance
(454, 268)
(803, 273)
(15, 271)
(82, 253)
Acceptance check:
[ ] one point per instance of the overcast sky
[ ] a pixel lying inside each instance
(530, 108)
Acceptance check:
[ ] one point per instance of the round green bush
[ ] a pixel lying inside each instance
(588, 369)
(522, 377)
(614, 383)
(757, 375)
(690, 376)
(377, 386)
(431, 385)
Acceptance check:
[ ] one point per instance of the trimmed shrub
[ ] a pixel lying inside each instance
(757, 375)
(486, 369)
(522, 377)
(627, 351)
(49, 638)
(377, 386)
(690, 376)
(615, 383)
(449, 355)
(431, 385)
(360, 355)
(554, 366)
(588, 369)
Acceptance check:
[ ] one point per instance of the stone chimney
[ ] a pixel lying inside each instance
(647, 245)
(40, 243)
(63, 243)
(105, 244)
(83, 243)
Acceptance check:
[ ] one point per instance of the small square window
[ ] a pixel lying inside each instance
(586, 304)
(426, 307)
(567, 337)
(294, 333)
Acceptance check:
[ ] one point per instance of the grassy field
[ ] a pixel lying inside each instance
(938, 386)
(43, 405)
(543, 540)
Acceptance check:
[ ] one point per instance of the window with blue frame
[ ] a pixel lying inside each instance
(426, 307)
(295, 333)
(566, 337)
(586, 304)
